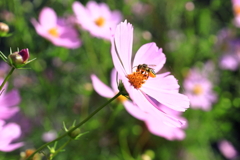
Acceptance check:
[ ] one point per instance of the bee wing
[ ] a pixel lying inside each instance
(152, 65)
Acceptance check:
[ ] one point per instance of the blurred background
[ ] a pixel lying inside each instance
(58, 87)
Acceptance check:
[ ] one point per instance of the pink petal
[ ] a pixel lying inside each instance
(2, 122)
(11, 147)
(81, 14)
(162, 82)
(134, 110)
(104, 10)
(114, 80)
(123, 41)
(6, 113)
(150, 54)
(68, 38)
(176, 101)
(93, 8)
(229, 62)
(147, 106)
(116, 17)
(12, 98)
(165, 91)
(227, 149)
(166, 118)
(48, 17)
(101, 88)
(159, 129)
(116, 61)
(8, 133)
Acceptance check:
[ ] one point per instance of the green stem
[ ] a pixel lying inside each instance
(77, 126)
(6, 79)
(60, 149)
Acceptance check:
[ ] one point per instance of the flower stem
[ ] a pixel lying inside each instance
(6, 79)
(60, 149)
(77, 126)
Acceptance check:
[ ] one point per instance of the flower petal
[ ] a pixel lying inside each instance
(158, 128)
(116, 61)
(8, 133)
(149, 107)
(165, 91)
(162, 82)
(11, 147)
(123, 41)
(48, 17)
(114, 80)
(101, 88)
(134, 110)
(150, 54)
(94, 9)
(11, 98)
(6, 113)
(104, 10)
(82, 14)
(116, 17)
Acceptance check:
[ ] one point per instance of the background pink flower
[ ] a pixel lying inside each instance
(97, 18)
(156, 125)
(229, 62)
(163, 88)
(231, 59)
(8, 102)
(56, 29)
(227, 149)
(236, 10)
(8, 133)
(198, 88)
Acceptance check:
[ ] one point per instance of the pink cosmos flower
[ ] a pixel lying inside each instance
(227, 149)
(97, 18)
(198, 88)
(231, 59)
(8, 133)
(229, 62)
(140, 84)
(56, 29)
(154, 123)
(236, 10)
(8, 102)
(49, 136)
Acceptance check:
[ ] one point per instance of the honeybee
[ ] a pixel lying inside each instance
(146, 70)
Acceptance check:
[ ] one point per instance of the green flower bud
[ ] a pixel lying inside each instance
(75, 134)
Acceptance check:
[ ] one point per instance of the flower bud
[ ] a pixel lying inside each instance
(75, 134)
(19, 59)
(24, 155)
(3, 29)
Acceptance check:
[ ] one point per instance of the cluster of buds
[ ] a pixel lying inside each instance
(17, 59)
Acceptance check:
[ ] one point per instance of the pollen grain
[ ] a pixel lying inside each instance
(136, 79)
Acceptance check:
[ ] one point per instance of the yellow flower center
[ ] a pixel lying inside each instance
(54, 32)
(197, 89)
(236, 10)
(100, 22)
(136, 79)
(121, 98)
